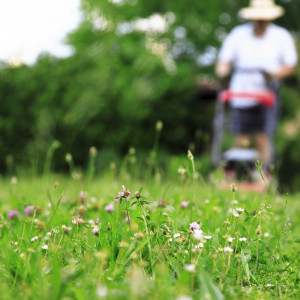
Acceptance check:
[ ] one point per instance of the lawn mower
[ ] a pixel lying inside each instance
(238, 163)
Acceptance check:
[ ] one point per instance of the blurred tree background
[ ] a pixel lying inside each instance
(134, 62)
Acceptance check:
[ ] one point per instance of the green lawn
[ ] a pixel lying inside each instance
(68, 246)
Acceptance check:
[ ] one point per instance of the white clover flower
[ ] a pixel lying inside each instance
(170, 240)
(240, 210)
(197, 234)
(101, 291)
(242, 239)
(45, 247)
(266, 234)
(207, 237)
(200, 245)
(230, 239)
(184, 297)
(176, 235)
(228, 249)
(206, 201)
(190, 268)
(181, 170)
(34, 238)
(55, 230)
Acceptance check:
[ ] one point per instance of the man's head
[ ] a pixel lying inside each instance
(261, 10)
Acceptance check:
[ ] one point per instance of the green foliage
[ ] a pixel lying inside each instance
(120, 80)
(70, 246)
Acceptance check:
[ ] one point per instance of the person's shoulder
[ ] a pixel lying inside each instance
(279, 31)
(241, 29)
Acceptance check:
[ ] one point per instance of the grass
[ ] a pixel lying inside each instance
(145, 247)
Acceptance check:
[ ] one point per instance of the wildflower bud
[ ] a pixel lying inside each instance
(69, 158)
(134, 255)
(159, 126)
(181, 170)
(113, 166)
(95, 207)
(93, 151)
(190, 155)
(123, 244)
(82, 209)
(233, 187)
(40, 225)
(14, 180)
(162, 203)
(96, 231)
(258, 230)
(108, 226)
(131, 151)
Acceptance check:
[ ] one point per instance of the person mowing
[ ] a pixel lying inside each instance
(257, 55)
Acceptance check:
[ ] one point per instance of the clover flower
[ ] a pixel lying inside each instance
(45, 247)
(34, 238)
(82, 196)
(66, 229)
(197, 234)
(194, 226)
(77, 221)
(96, 230)
(233, 187)
(199, 246)
(29, 210)
(162, 203)
(109, 208)
(124, 194)
(190, 268)
(228, 249)
(240, 210)
(12, 214)
(184, 204)
(242, 239)
(181, 170)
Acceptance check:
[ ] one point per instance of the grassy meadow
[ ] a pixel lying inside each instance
(121, 236)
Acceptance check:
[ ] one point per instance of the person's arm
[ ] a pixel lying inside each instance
(223, 69)
(285, 71)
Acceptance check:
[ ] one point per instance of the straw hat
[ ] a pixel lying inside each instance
(265, 10)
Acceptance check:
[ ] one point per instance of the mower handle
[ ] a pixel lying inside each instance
(264, 97)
